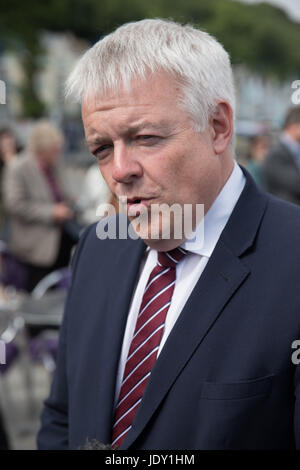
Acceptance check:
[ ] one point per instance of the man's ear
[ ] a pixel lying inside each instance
(221, 122)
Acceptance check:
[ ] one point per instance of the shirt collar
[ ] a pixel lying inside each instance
(216, 218)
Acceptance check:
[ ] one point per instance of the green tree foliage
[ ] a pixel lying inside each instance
(259, 36)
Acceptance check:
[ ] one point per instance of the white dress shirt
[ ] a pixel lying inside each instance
(188, 270)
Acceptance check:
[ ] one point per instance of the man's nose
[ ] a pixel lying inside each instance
(126, 167)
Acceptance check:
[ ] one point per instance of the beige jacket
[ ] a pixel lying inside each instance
(27, 198)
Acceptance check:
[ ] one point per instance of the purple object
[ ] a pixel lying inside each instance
(65, 281)
(41, 346)
(14, 272)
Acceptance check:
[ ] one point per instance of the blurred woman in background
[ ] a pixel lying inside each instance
(40, 206)
(8, 153)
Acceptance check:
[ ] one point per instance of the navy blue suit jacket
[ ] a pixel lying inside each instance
(225, 378)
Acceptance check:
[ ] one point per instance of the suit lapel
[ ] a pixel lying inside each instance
(124, 275)
(223, 275)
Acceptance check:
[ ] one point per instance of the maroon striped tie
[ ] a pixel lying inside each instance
(145, 341)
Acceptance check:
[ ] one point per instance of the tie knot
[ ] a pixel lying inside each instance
(169, 259)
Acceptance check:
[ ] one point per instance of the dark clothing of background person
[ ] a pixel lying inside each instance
(34, 274)
(281, 172)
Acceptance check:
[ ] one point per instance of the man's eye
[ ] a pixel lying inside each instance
(147, 138)
(101, 150)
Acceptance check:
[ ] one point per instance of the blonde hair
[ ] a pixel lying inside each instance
(44, 135)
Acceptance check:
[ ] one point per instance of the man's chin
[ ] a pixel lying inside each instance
(162, 244)
(144, 231)
(154, 236)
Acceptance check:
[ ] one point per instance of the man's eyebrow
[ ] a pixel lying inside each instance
(161, 125)
(95, 141)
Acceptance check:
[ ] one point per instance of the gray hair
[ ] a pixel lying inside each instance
(197, 60)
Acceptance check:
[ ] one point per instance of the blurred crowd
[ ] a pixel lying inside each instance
(276, 167)
(41, 219)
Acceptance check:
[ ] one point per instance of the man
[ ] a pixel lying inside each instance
(169, 342)
(39, 206)
(281, 169)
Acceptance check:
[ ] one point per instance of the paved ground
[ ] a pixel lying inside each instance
(21, 409)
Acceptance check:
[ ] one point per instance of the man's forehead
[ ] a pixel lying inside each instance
(155, 89)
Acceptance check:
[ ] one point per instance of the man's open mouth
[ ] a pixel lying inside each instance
(134, 201)
(137, 205)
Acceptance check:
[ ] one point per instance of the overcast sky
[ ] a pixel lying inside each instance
(292, 7)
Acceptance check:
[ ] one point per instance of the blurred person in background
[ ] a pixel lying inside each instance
(8, 146)
(281, 169)
(37, 199)
(8, 152)
(258, 149)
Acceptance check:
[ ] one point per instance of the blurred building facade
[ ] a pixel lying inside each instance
(258, 99)
(261, 102)
(60, 53)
